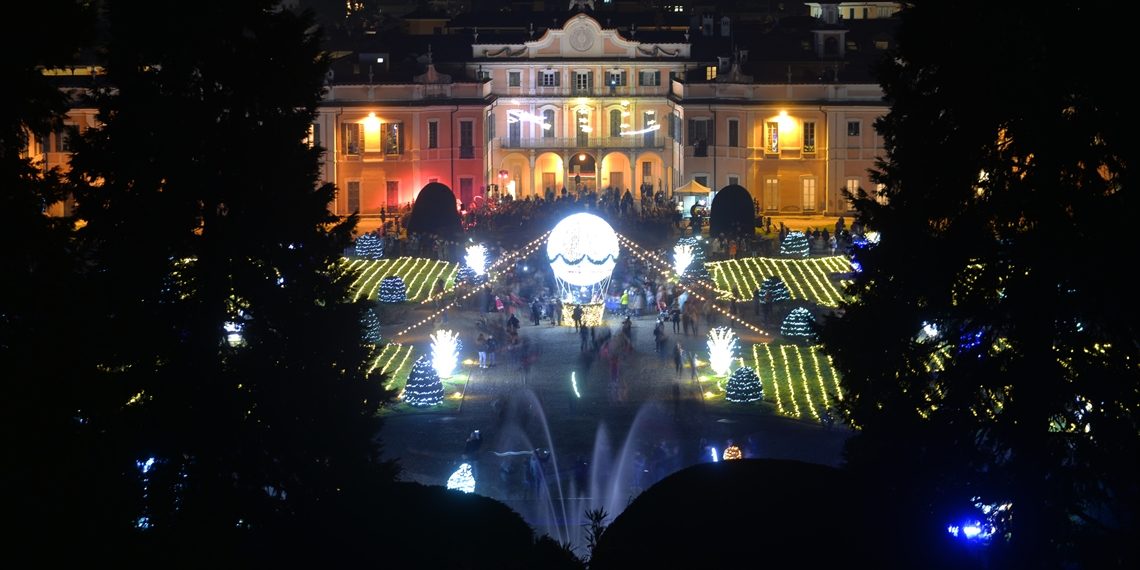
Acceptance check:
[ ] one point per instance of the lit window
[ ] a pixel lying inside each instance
(772, 140)
(710, 72)
(809, 137)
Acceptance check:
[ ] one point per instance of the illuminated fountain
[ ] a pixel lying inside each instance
(583, 250)
(611, 476)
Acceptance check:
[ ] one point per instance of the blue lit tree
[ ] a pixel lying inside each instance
(743, 386)
(370, 246)
(424, 388)
(393, 290)
(795, 244)
(370, 322)
(776, 287)
(799, 326)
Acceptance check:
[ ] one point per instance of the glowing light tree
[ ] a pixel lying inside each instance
(476, 258)
(369, 246)
(393, 290)
(463, 479)
(777, 288)
(370, 322)
(795, 244)
(582, 250)
(424, 388)
(444, 352)
(798, 326)
(696, 268)
(682, 258)
(722, 347)
(743, 386)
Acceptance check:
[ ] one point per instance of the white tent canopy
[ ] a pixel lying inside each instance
(693, 187)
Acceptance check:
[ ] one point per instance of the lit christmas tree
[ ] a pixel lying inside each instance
(462, 479)
(696, 267)
(369, 246)
(732, 452)
(798, 325)
(743, 386)
(370, 321)
(393, 290)
(424, 386)
(795, 244)
(776, 287)
(467, 276)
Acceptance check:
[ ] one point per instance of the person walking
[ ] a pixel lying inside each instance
(481, 344)
(675, 318)
(576, 314)
(693, 365)
(585, 336)
(678, 358)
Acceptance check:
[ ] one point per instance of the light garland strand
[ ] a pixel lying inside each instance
(834, 378)
(791, 386)
(522, 252)
(804, 380)
(666, 268)
(773, 380)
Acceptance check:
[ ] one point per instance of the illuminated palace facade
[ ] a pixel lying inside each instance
(583, 106)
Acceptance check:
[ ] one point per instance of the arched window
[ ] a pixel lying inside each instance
(548, 117)
(830, 46)
(615, 123)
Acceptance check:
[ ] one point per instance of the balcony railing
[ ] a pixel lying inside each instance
(636, 141)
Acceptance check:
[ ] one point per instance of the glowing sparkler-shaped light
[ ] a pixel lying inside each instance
(649, 129)
(722, 347)
(518, 115)
(682, 257)
(476, 258)
(444, 352)
(463, 479)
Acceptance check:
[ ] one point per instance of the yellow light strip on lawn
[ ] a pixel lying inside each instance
(791, 386)
(804, 381)
(396, 268)
(397, 368)
(819, 377)
(421, 277)
(775, 381)
(449, 278)
(791, 393)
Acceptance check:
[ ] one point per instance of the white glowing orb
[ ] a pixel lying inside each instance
(444, 352)
(682, 257)
(582, 249)
(462, 480)
(722, 347)
(476, 258)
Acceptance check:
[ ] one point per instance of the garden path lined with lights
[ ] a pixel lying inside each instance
(798, 380)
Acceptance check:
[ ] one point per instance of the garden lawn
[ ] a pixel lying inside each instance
(799, 380)
(419, 274)
(396, 361)
(812, 279)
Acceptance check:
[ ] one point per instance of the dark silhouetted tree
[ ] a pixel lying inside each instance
(1027, 392)
(434, 212)
(731, 212)
(273, 438)
(46, 395)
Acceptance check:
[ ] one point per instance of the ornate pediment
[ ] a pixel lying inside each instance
(582, 38)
